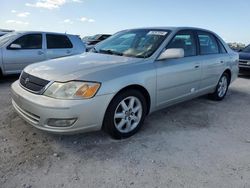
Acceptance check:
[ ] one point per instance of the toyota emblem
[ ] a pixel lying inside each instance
(27, 80)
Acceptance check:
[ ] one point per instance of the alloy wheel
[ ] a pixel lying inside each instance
(128, 114)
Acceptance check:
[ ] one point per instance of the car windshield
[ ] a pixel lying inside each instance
(246, 49)
(5, 38)
(140, 43)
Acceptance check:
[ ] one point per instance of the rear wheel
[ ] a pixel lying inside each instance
(1, 73)
(221, 88)
(125, 114)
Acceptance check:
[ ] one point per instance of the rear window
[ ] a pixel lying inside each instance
(222, 47)
(208, 43)
(58, 41)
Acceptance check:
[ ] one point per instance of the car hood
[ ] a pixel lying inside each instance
(244, 55)
(77, 67)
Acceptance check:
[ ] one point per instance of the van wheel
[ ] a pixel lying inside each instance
(221, 88)
(125, 114)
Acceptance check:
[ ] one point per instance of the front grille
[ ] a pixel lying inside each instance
(243, 61)
(32, 83)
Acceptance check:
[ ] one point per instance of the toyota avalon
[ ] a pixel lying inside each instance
(123, 79)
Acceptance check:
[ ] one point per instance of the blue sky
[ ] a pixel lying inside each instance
(230, 19)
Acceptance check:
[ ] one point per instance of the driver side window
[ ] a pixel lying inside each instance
(186, 41)
(30, 41)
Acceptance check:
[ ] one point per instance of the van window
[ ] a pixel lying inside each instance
(58, 41)
(29, 41)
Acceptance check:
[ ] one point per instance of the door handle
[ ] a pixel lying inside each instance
(221, 61)
(196, 66)
(40, 53)
(68, 51)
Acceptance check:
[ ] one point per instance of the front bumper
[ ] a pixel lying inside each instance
(244, 65)
(38, 109)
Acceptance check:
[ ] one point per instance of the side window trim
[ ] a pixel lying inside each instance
(220, 45)
(197, 42)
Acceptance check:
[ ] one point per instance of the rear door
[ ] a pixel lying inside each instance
(58, 46)
(213, 58)
(178, 79)
(30, 51)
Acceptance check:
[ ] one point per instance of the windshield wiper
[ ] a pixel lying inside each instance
(111, 52)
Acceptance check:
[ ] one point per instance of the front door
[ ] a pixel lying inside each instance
(179, 78)
(23, 51)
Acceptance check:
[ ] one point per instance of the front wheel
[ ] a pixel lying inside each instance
(221, 88)
(125, 114)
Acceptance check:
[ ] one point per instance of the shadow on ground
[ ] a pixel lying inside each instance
(9, 79)
(245, 75)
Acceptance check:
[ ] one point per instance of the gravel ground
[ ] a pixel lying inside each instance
(199, 143)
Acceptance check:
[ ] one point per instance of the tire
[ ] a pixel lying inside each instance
(122, 119)
(1, 74)
(221, 88)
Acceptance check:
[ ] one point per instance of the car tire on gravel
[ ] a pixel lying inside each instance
(221, 88)
(125, 114)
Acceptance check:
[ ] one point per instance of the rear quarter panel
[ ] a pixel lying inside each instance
(233, 65)
(233, 60)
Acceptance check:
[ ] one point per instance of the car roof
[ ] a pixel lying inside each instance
(47, 32)
(174, 28)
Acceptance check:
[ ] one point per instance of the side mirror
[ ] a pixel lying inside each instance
(15, 46)
(172, 53)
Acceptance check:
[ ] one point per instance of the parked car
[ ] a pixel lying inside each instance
(19, 49)
(128, 76)
(4, 32)
(91, 41)
(244, 62)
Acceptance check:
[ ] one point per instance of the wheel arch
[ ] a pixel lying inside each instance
(137, 87)
(228, 71)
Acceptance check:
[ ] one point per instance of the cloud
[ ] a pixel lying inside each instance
(47, 4)
(51, 4)
(91, 20)
(13, 11)
(77, 1)
(67, 21)
(84, 19)
(23, 14)
(17, 22)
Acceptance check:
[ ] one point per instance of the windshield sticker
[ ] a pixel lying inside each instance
(162, 33)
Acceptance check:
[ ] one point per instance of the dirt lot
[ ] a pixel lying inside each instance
(200, 143)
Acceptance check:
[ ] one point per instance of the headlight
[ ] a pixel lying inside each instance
(72, 90)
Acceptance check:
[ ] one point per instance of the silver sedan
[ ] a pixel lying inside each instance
(123, 79)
